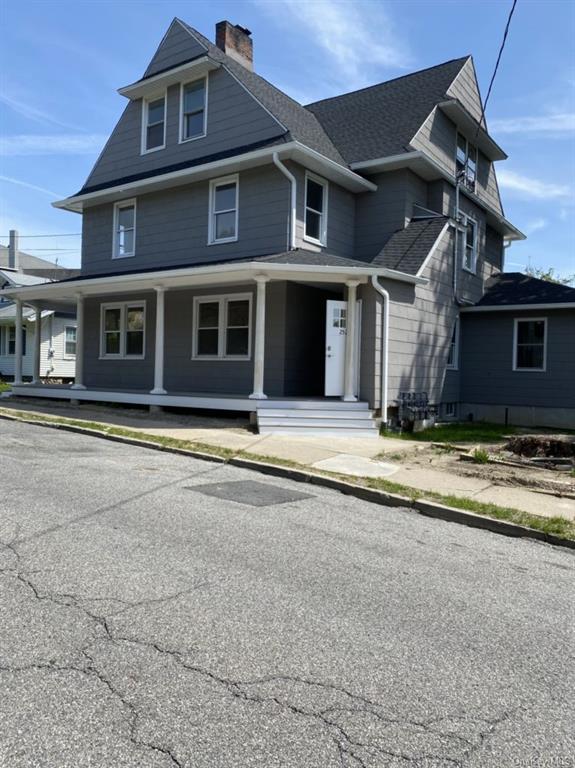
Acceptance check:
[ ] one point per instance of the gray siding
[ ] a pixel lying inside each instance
(370, 346)
(235, 119)
(176, 47)
(172, 226)
(465, 89)
(487, 361)
(381, 213)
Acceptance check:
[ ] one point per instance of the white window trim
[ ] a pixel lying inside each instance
(462, 233)
(5, 340)
(181, 139)
(516, 322)
(214, 184)
(123, 306)
(117, 206)
(323, 216)
(68, 355)
(454, 366)
(222, 299)
(467, 143)
(145, 103)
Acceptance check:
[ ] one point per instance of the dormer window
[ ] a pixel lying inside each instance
(466, 162)
(154, 124)
(193, 110)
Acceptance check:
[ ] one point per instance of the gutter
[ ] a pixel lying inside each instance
(293, 192)
(385, 345)
(519, 307)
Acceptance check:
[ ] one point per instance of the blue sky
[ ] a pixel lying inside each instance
(61, 63)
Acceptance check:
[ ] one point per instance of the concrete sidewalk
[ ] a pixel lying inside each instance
(355, 457)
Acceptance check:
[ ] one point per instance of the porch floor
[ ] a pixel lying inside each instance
(227, 402)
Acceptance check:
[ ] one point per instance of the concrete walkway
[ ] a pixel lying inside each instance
(347, 456)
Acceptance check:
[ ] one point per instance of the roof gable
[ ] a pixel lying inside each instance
(465, 89)
(177, 47)
(381, 120)
(407, 249)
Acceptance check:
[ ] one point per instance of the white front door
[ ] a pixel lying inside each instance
(335, 335)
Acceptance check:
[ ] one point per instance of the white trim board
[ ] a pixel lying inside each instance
(520, 307)
(516, 322)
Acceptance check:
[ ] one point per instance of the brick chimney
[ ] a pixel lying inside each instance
(236, 42)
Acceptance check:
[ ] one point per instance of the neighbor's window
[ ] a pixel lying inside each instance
(467, 244)
(154, 134)
(453, 352)
(450, 410)
(315, 209)
(222, 326)
(193, 110)
(530, 343)
(466, 162)
(223, 224)
(123, 327)
(124, 229)
(70, 341)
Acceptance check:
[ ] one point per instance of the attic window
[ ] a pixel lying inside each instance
(466, 162)
(154, 122)
(193, 110)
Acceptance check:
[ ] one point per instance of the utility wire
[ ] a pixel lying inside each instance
(67, 234)
(496, 66)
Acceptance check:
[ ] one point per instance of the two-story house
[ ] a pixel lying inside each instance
(308, 264)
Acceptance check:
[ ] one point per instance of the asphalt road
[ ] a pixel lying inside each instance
(146, 623)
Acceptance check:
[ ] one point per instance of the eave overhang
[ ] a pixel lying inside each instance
(156, 83)
(290, 150)
(520, 307)
(187, 277)
(472, 129)
(429, 170)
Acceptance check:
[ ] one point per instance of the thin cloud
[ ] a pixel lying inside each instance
(535, 226)
(33, 113)
(528, 187)
(53, 144)
(355, 37)
(562, 124)
(27, 185)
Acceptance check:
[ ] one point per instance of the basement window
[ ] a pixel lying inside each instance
(316, 191)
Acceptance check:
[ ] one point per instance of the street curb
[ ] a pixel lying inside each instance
(427, 508)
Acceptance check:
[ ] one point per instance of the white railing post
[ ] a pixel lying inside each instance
(260, 340)
(350, 342)
(160, 340)
(37, 344)
(18, 344)
(79, 377)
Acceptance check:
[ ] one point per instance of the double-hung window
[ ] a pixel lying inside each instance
(153, 124)
(223, 223)
(124, 229)
(193, 113)
(8, 340)
(467, 243)
(222, 327)
(123, 330)
(466, 162)
(70, 341)
(453, 351)
(316, 191)
(530, 344)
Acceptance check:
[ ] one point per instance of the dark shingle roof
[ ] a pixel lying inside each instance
(311, 258)
(407, 249)
(301, 124)
(381, 120)
(515, 288)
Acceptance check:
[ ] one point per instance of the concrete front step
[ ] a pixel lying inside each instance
(317, 423)
(286, 413)
(311, 405)
(329, 419)
(318, 432)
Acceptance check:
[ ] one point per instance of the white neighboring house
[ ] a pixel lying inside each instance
(58, 336)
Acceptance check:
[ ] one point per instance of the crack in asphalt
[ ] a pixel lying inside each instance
(348, 747)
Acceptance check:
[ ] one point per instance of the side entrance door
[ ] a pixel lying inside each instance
(335, 335)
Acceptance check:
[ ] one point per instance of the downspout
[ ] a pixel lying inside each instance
(456, 241)
(291, 178)
(385, 345)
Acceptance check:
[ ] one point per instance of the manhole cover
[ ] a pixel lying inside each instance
(250, 492)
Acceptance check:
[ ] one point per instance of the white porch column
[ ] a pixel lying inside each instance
(37, 344)
(159, 355)
(350, 342)
(18, 344)
(79, 378)
(260, 342)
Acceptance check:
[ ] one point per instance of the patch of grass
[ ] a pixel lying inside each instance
(557, 526)
(4, 386)
(468, 432)
(480, 456)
